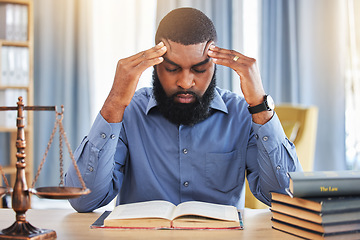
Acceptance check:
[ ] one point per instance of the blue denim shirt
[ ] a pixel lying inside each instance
(146, 157)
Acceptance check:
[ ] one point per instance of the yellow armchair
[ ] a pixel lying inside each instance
(300, 126)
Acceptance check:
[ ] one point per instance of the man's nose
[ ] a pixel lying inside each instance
(186, 80)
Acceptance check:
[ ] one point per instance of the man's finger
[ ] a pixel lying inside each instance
(142, 66)
(154, 52)
(151, 54)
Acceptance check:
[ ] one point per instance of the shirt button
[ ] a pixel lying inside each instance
(103, 135)
(186, 184)
(278, 167)
(256, 136)
(112, 136)
(265, 138)
(185, 151)
(91, 169)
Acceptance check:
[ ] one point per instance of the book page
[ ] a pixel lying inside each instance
(216, 211)
(151, 209)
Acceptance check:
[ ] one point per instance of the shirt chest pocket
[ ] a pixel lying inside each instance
(223, 170)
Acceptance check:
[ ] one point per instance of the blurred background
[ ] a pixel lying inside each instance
(307, 51)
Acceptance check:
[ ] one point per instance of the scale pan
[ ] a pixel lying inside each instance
(60, 192)
(4, 191)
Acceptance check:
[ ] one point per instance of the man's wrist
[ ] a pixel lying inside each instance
(262, 117)
(112, 114)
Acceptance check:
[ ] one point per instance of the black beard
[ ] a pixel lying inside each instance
(183, 113)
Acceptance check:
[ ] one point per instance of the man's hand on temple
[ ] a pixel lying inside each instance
(128, 72)
(250, 80)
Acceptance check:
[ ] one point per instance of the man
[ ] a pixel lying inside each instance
(184, 139)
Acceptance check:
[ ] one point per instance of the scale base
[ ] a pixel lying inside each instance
(24, 230)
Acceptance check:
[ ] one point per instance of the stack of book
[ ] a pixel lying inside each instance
(13, 22)
(319, 205)
(14, 66)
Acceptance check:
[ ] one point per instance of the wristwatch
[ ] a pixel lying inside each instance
(267, 105)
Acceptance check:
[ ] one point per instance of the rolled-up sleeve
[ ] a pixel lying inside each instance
(270, 156)
(100, 169)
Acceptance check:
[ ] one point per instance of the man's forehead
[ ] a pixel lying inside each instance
(196, 51)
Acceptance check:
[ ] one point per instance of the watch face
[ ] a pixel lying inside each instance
(270, 102)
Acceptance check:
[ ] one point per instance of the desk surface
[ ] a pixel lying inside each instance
(69, 224)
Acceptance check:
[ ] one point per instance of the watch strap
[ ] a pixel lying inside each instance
(260, 107)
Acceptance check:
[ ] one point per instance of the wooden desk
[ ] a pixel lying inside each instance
(71, 225)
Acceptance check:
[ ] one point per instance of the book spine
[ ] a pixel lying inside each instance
(325, 187)
(14, 66)
(13, 22)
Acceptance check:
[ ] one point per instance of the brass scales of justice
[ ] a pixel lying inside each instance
(22, 229)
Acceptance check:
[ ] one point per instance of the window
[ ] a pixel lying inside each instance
(352, 87)
(121, 28)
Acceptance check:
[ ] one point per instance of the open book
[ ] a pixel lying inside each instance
(163, 214)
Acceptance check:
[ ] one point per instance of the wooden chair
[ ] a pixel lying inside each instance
(300, 126)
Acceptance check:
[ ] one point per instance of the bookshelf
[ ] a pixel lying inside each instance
(16, 79)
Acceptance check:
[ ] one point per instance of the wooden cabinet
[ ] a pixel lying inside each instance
(16, 79)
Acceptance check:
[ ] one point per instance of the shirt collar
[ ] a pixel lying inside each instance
(217, 103)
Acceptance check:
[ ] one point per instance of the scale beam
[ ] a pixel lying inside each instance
(31, 108)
